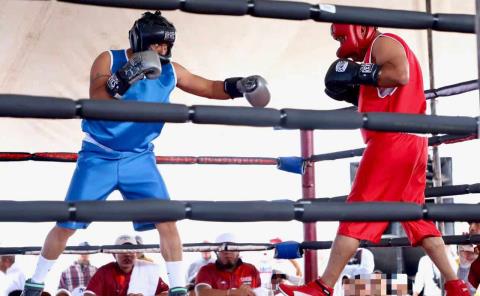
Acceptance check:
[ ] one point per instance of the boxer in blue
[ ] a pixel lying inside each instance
(119, 155)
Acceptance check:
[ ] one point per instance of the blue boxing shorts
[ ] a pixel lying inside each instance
(100, 171)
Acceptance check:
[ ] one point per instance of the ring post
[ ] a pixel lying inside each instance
(308, 192)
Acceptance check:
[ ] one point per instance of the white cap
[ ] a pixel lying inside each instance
(125, 239)
(226, 238)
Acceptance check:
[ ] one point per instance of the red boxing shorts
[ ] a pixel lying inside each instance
(392, 169)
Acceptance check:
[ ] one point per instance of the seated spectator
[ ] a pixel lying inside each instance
(466, 256)
(279, 277)
(354, 287)
(229, 275)
(427, 279)
(76, 276)
(127, 275)
(378, 284)
(361, 263)
(399, 284)
(11, 277)
(474, 272)
(205, 258)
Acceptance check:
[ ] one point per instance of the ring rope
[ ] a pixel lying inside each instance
(72, 157)
(49, 107)
(218, 160)
(232, 211)
(396, 242)
(441, 191)
(289, 10)
(432, 141)
(242, 247)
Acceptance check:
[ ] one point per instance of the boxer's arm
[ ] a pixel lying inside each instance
(99, 74)
(194, 84)
(390, 55)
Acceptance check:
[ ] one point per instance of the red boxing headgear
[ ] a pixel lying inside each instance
(353, 42)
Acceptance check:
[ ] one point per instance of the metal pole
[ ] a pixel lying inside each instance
(436, 162)
(437, 166)
(308, 192)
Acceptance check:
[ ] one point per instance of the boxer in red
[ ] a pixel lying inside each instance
(379, 73)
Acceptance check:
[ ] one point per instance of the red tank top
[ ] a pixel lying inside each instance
(409, 98)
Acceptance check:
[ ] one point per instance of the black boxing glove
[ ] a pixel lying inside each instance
(348, 94)
(345, 72)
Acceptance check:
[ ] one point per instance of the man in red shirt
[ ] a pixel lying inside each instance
(474, 272)
(113, 279)
(228, 276)
(393, 166)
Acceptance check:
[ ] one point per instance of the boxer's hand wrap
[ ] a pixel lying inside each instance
(254, 88)
(230, 87)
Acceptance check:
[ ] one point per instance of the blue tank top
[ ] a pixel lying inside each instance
(133, 136)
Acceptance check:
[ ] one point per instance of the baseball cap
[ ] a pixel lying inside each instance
(125, 239)
(84, 244)
(226, 237)
(466, 248)
(139, 239)
(275, 240)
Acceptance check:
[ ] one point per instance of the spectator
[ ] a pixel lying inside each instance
(229, 275)
(279, 277)
(466, 256)
(77, 275)
(399, 284)
(474, 272)
(127, 275)
(205, 258)
(365, 284)
(11, 277)
(362, 263)
(428, 277)
(379, 283)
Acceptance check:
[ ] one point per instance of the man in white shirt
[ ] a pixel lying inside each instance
(11, 277)
(428, 276)
(362, 263)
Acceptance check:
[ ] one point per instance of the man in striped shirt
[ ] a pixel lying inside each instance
(78, 274)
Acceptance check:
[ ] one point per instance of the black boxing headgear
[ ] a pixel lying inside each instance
(150, 29)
